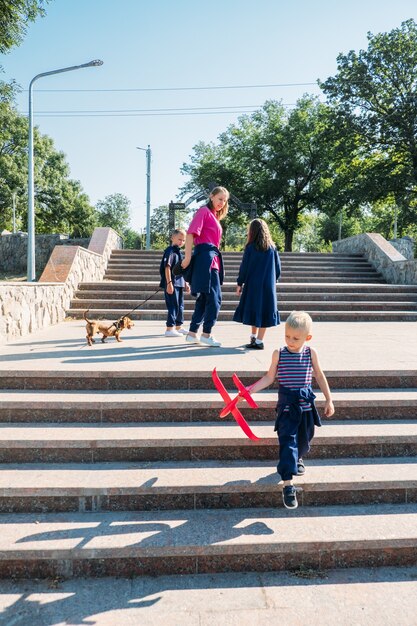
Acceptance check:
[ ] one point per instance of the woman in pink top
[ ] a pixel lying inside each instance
(205, 233)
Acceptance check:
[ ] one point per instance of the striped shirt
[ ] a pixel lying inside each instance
(295, 371)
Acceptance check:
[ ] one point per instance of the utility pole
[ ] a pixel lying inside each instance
(148, 197)
(148, 194)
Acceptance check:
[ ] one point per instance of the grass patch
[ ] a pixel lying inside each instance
(309, 573)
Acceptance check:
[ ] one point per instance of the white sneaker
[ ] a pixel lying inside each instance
(192, 339)
(210, 341)
(172, 333)
(182, 331)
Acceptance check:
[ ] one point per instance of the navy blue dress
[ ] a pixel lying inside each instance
(258, 273)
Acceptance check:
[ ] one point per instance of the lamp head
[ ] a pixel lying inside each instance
(95, 63)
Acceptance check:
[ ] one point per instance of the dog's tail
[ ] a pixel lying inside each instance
(85, 316)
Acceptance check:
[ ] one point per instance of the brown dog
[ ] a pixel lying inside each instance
(114, 330)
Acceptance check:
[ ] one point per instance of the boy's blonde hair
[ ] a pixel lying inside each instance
(300, 320)
(177, 231)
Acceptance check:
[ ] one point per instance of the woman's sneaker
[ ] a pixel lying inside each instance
(172, 333)
(210, 341)
(301, 470)
(182, 331)
(192, 339)
(289, 497)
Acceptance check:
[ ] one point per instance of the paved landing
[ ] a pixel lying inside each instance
(357, 346)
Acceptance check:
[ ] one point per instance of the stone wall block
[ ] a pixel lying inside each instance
(386, 259)
(28, 307)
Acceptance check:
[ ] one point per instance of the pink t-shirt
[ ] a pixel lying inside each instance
(206, 228)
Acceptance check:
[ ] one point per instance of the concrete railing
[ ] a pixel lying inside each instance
(386, 259)
(27, 307)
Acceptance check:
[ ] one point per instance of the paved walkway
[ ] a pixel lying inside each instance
(369, 346)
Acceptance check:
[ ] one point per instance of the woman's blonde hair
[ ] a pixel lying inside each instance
(259, 235)
(220, 214)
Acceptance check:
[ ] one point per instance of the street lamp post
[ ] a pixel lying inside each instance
(31, 271)
(14, 210)
(148, 195)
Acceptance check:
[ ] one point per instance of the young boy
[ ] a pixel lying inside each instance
(297, 415)
(174, 285)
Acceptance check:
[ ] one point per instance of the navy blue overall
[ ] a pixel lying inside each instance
(295, 428)
(206, 285)
(174, 301)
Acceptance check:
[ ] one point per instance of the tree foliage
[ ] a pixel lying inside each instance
(374, 102)
(114, 211)
(160, 235)
(15, 16)
(60, 203)
(275, 158)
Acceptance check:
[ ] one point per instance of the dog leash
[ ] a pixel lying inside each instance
(141, 303)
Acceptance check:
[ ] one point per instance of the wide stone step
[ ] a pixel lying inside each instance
(189, 542)
(100, 294)
(186, 406)
(318, 316)
(92, 443)
(234, 266)
(367, 385)
(147, 254)
(290, 276)
(223, 599)
(101, 303)
(201, 485)
(359, 288)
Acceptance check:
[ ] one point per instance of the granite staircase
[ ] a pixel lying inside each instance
(107, 474)
(331, 287)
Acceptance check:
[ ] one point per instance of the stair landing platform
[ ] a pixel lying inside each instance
(345, 347)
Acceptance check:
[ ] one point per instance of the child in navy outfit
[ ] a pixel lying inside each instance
(296, 415)
(256, 284)
(174, 285)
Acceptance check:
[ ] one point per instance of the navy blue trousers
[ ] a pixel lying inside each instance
(207, 306)
(175, 307)
(294, 436)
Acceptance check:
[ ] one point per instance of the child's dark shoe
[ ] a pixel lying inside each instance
(301, 470)
(254, 345)
(289, 497)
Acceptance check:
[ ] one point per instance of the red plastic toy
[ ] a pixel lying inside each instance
(231, 404)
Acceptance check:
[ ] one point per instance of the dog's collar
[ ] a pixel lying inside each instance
(118, 324)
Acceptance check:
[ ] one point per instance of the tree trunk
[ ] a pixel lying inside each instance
(289, 234)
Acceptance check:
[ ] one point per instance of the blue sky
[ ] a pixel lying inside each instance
(162, 45)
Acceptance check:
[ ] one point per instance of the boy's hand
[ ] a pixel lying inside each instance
(187, 288)
(328, 408)
(170, 289)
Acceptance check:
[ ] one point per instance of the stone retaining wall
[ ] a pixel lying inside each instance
(406, 246)
(27, 307)
(386, 259)
(14, 247)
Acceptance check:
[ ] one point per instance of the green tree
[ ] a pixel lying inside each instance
(60, 203)
(276, 158)
(374, 103)
(160, 235)
(14, 18)
(114, 211)
(132, 240)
